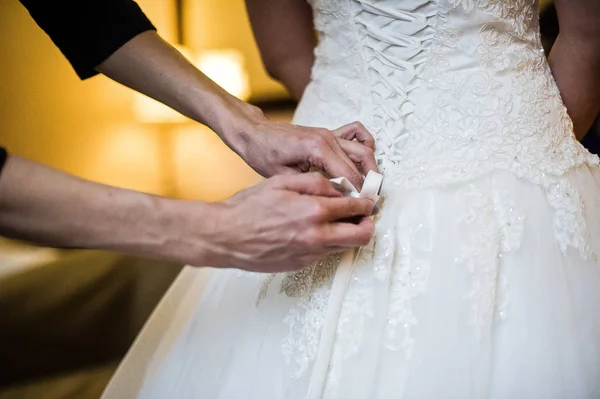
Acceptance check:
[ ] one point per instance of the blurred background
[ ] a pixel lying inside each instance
(102, 131)
(68, 317)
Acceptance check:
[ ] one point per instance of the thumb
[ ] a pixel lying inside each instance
(308, 184)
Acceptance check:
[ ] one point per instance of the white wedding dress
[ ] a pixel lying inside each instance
(482, 280)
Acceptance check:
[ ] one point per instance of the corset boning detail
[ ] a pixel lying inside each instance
(452, 89)
(395, 44)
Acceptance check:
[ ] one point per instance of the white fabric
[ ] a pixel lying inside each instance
(339, 288)
(482, 280)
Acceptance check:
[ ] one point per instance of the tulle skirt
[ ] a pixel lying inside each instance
(481, 289)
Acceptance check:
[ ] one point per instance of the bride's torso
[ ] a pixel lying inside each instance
(451, 89)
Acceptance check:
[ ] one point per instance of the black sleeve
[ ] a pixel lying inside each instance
(3, 156)
(88, 31)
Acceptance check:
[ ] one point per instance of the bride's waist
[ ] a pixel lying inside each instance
(442, 163)
(475, 105)
(463, 85)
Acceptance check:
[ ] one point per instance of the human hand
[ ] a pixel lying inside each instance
(273, 148)
(269, 147)
(286, 223)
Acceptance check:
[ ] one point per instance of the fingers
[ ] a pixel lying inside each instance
(361, 154)
(306, 183)
(334, 237)
(335, 209)
(348, 234)
(355, 130)
(342, 155)
(326, 154)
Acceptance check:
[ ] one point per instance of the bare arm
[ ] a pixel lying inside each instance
(285, 35)
(115, 37)
(49, 207)
(575, 60)
(151, 66)
(281, 224)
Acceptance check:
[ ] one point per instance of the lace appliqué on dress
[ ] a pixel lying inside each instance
(305, 282)
(569, 221)
(503, 113)
(408, 280)
(397, 262)
(305, 323)
(494, 227)
(311, 286)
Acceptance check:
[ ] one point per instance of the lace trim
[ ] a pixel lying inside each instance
(305, 323)
(569, 222)
(305, 282)
(496, 227)
(504, 114)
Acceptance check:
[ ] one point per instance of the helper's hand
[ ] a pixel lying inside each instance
(273, 148)
(286, 223)
(151, 66)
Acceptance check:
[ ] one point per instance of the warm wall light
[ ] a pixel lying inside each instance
(163, 118)
(226, 67)
(206, 169)
(127, 156)
(148, 110)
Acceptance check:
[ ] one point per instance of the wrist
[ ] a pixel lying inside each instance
(189, 232)
(235, 123)
(138, 223)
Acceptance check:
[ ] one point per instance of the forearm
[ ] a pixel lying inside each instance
(575, 60)
(48, 207)
(279, 225)
(575, 63)
(151, 66)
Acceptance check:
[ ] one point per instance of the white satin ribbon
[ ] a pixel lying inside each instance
(370, 190)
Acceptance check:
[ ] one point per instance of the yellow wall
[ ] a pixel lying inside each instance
(211, 24)
(89, 128)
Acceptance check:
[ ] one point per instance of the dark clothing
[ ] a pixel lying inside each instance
(88, 32)
(3, 156)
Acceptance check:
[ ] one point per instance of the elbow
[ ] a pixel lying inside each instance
(273, 70)
(282, 68)
(272, 64)
(294, 73)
